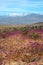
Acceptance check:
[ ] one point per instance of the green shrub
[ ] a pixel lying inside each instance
(34, 35)
(15, 29)
(32, 27)
(35, 27)
(4, 35)
(33, 59)
(25, 30)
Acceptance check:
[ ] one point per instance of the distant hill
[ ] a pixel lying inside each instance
(37, 24)
(27, 19)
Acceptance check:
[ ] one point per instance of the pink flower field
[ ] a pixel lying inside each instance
(21, 47)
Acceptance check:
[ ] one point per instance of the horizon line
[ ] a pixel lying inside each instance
(19, 14)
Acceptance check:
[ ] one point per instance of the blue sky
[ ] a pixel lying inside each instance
(20, 7)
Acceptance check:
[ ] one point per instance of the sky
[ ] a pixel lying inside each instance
(20, 7)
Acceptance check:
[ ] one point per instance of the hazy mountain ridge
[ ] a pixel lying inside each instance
(28, 19)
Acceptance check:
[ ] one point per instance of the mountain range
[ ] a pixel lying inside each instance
(27, 19)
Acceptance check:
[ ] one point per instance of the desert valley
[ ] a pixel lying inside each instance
(21, 44)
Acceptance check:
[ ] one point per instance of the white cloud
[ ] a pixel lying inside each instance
(17, 14)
